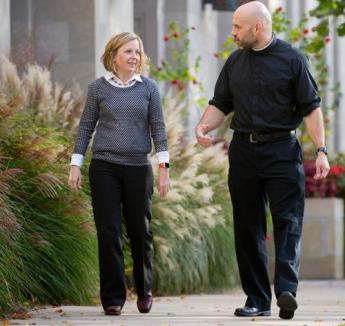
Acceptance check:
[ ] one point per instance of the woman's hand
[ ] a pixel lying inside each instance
(163, 184)
(74, 179)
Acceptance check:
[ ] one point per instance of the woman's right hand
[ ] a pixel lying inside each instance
(74, 179)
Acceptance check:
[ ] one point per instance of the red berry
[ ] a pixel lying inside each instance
(306, 31)
(166, 38)
(327, 39)
(193, 28)
(216, 55)
(279, 9)
(176, 34)
(174, 82)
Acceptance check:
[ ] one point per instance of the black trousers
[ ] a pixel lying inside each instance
(122, 190)
(260, 173)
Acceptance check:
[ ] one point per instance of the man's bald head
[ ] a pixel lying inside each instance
(254, 11)
(252, 24)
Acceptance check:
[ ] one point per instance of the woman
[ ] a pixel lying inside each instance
(124, 109)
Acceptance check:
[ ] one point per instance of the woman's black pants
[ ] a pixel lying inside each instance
(261, 174)
(122, 190)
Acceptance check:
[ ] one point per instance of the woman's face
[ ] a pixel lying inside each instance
(127, 58)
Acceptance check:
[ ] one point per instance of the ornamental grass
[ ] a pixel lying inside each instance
(47, 240)
(193, 235)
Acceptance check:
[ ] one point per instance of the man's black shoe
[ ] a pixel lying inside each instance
(287, 304)
(251, 312)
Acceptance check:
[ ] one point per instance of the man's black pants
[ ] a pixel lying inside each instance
(117, 189)
(260, 173)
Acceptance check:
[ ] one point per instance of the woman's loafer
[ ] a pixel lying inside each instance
(144, 304)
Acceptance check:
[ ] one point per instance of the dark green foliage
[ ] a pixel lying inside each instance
(47, 240)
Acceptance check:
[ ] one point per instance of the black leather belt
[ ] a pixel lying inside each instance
(260, 138)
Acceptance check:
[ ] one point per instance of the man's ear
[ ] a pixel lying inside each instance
(258, 27)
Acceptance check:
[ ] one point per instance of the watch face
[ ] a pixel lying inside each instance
(322, 149)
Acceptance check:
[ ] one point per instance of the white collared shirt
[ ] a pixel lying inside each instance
(117, 82)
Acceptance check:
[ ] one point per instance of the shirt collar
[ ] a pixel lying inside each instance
(112, 77)
(268, 46)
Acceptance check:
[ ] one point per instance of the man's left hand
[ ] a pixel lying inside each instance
(322, 166)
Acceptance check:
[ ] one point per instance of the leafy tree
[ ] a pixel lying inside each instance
(326, 9)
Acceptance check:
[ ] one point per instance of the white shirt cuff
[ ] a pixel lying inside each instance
(163, 157)
(77, 159)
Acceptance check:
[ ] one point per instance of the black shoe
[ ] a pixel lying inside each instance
(251, 312)
(113, 310)
(287, 304)
(144, 304)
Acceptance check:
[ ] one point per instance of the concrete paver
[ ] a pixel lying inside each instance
(320, 303)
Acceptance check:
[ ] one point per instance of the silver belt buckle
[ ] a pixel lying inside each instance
(252, 140)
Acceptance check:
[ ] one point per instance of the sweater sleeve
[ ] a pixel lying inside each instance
(156, 120)
(88, 121)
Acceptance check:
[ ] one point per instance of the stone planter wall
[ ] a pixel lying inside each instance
(322, 240)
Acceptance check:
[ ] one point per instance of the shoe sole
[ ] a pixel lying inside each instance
(260, 314)
(112, 313)
(287, 305)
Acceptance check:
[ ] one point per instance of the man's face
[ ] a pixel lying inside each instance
(243, 32)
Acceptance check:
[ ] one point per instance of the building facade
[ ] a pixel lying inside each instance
(69, 37)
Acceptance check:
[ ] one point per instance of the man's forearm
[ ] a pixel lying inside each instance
(212, 117)
(315, 127)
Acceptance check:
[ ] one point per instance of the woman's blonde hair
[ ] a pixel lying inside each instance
(113, 46)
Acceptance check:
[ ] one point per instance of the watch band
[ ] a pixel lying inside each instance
(322, 149)
(164, 165)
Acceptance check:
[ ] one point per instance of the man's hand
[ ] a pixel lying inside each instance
(210, 120)
(316, 131)
(201, 131)
(322, 166)
(163, 184)
(74, 179)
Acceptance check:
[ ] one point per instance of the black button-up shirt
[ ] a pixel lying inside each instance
(267, 90)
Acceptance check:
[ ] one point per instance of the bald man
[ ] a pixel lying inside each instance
(267, 85)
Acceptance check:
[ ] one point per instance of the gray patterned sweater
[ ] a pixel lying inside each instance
(125, 120)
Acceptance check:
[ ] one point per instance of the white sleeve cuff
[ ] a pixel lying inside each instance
(77, 159)
(163, 157)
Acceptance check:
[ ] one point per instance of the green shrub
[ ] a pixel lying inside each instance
(47, 240)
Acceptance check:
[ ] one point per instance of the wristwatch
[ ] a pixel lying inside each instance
(164, 165)
(322, 149)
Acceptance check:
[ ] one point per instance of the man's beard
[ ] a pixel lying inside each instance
(246, 44)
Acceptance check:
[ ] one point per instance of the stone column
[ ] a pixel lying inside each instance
(149, 23)
(323, 239)
(203, 41)
(110, 17)
(293, 10)
(339, 69)
(5, 27)
(55, 34)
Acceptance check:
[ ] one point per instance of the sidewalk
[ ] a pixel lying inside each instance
(320, 303)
